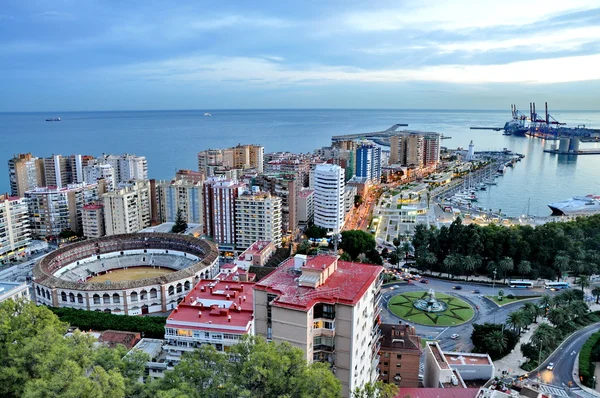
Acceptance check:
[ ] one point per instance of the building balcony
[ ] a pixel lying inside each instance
(323, 332)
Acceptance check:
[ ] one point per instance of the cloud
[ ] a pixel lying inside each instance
(54, 16)
(460, 14)
(251, 71)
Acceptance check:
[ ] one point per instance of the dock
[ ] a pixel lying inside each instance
(487, 128)
(579, 152)
(376, 134)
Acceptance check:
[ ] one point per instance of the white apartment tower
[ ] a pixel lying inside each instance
(258, 217)
(14, 232)
(329, 197)
(127, 167)
(128, 209)
(94, 172)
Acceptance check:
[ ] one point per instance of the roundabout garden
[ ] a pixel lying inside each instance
(431, 309)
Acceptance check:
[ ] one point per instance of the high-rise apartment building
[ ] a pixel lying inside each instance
(306, 206)
(183, 195)
(368, 161)
(93, 221)
(57, 171)
(53, 209)
(285, 186)
(127, 209)
(406, 149)
(329, 309)
(258, 218)
(219, 209)
(127, 167)
(239, 157)
(25, 172)
(329, 197)
(15, 234)
(94, 172)
(190, 176)
(431, 149)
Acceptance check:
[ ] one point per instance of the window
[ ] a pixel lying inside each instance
(184, 332)
(398, 365)
(385, 363)
(399, 356)
(63, 296)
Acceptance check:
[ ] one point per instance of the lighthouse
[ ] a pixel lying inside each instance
(471, 153)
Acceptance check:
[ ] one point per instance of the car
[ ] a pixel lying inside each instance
(550, 366)
(476, 291)
(424, 281)
(457, 287)
(454, 336)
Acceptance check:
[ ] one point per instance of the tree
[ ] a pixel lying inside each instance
(393, 259)
(430, 260)
(346, 257)
(470, 264)
(451, 263)
(355, 242)
(584, 281)
(180, 223)
(496, 341)
(405, 249)
(517, 321)
(596, 292)
(315, 232)
(303, 247)
(533, 310)
(506, 265)
(376, 390)
(358, 200)
(561, 264)
(524, 268)
(546, 303)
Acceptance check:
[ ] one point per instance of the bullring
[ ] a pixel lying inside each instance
(172, 265)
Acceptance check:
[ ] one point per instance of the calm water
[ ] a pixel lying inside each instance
(171, 139)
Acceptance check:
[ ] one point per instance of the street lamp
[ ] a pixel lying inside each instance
(494, 281)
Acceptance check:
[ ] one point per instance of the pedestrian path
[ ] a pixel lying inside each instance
(555, 391)
(584, 394)
(513, 361)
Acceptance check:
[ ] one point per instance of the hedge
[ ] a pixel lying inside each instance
(586, 366)
(148, 326)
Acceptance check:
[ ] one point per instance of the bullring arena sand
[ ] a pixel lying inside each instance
(131, 274)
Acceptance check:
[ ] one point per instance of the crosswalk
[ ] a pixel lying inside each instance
(555, 391)
(584, 394)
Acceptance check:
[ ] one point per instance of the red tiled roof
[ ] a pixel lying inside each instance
(206, 308)
(346, 285)
(437, 393)
(305, 193)
(114, 337)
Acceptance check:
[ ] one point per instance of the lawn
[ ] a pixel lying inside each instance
(506, 300)
(458, 311)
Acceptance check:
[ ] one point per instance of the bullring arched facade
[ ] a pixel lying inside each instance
(59, 278)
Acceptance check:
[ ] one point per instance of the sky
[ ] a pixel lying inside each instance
(85, 55)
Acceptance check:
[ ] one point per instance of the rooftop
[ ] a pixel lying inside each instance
(438, 355)
(465, 358)
(166, 227)
(93, 207)
(216, 305)
(346, 284)
(305, 193)
(399, 338)
(438, 392)
(6, 287)
(112, 338)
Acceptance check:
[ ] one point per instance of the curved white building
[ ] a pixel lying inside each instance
(329, 197)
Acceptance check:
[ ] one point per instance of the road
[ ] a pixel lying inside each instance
(564, 359)
(487, 312)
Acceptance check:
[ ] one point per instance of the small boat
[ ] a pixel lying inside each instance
(491, 182)
(207, 114)
(501, 169)
(482, 186)
(53, 119)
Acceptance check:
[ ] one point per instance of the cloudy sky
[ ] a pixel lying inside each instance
(460, 54)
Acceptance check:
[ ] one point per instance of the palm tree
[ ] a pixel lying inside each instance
(584, 281)
(496, 341)
(569, 296)
(578, 309)
(431, 260)
(546, 302)
(469, 265)
(506, 265)
(515, 321)
(405, 248)
(544, 336)
(596, 292)
(524, 268)
(561, 264)
(450, 263)
(533, 310)
(559, 316)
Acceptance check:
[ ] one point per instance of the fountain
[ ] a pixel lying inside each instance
(430, 304)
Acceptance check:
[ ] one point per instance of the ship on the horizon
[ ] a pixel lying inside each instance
(577, 206)
(53, 119)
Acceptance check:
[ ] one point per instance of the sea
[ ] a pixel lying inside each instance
(170, 141)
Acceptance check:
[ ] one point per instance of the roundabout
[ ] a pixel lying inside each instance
(430, 308)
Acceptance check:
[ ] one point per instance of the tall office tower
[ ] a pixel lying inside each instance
(368, 161)
(329, 197)
(94, 172)
(15, 234)
(431, 149)
(127, 209)
(127, 167)
(183, 195)
(93, 221)
(53, 209)
(286, 187)
(25, 172)
(258, 217)
(219, 209)
(329, 309)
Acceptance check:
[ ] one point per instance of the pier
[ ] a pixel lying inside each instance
(376, 134)
(579, 152)
(486, 128)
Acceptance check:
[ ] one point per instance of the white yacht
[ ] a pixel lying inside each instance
(577, 206)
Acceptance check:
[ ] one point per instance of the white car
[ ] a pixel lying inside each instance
(550, 366)
(454, 336)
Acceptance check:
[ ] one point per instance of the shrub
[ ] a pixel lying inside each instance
(510, 296)
(586, 366)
